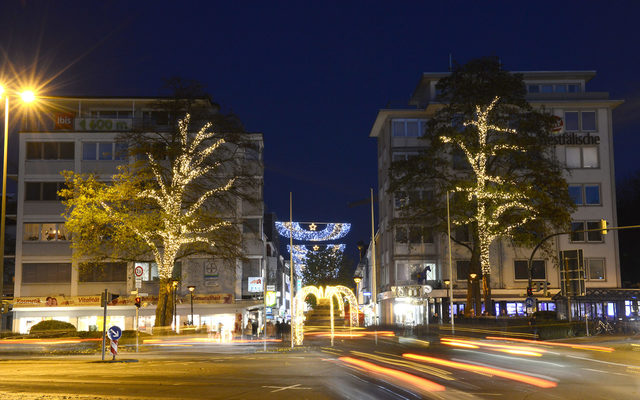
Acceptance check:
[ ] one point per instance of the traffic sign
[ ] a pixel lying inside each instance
(529, 302)
(139, 270)
(114, 332)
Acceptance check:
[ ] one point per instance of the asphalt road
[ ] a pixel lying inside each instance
(392, 368)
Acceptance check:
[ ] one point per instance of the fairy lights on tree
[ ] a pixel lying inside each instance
(488, 147)
(166, 208)
(489, 192)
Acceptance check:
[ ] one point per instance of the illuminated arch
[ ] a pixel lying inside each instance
(328, 293)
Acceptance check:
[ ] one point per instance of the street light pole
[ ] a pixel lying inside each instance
(27, 97)
(191, 289)
(4, 195)
(450, 264)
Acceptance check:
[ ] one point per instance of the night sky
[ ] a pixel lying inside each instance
(311, 76)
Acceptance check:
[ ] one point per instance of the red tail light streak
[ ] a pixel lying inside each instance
(531, 380)
(416, 381)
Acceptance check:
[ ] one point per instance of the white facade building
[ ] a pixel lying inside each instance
(79, 134)
(411, 264)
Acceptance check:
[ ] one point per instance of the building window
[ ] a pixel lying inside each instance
(401, 234)
(50, 150)
(582, 157)
(104, 272)
(459, 160)
(583, 121)
(586, 194)
(538, 270)
(595, 269)
(45, 232)
(111, 114)
(149, 271)
(251, 226)
(462, 269)
(46, 272)
(104, 151)
(557, 88)
(413, 234)
(578, 234)
(46, 191)
(408, 127)
(462, 234)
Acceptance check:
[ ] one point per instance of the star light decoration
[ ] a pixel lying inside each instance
(332, 231)
(181, 226)
(491, 204)
(301, 251)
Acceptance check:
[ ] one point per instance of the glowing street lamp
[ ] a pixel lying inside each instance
(27, 96)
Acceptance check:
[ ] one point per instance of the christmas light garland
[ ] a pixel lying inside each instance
(331, 231)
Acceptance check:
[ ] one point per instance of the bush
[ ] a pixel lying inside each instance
(53, 326)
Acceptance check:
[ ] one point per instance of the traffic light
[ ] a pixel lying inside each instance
(138, 302)
(603, 226)
(529, 291)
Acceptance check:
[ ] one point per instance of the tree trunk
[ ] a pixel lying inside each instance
(164, 309)
(474, 303)
(486, 288)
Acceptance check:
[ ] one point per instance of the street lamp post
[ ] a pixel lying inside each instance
(174, 285)
(471, 279)
(191, 289)
(27, 97)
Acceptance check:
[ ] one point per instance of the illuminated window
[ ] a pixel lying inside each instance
(45, 232)
(582, 157)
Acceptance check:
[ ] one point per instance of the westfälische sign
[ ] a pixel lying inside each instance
(573, 138)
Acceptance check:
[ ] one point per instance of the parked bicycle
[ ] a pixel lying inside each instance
(604, 327)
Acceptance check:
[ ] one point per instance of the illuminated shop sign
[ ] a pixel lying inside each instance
(103, 124)
(574, 139)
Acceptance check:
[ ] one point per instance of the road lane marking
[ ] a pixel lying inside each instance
(605, 362)
(281, 388)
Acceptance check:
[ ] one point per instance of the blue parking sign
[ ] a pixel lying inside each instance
(114, 333)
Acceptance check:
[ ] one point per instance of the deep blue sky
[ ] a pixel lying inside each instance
(311, 76)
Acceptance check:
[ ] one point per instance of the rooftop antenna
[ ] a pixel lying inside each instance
(450, 62)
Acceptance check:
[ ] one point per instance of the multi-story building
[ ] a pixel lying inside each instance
(79, 134)
(414, 267)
